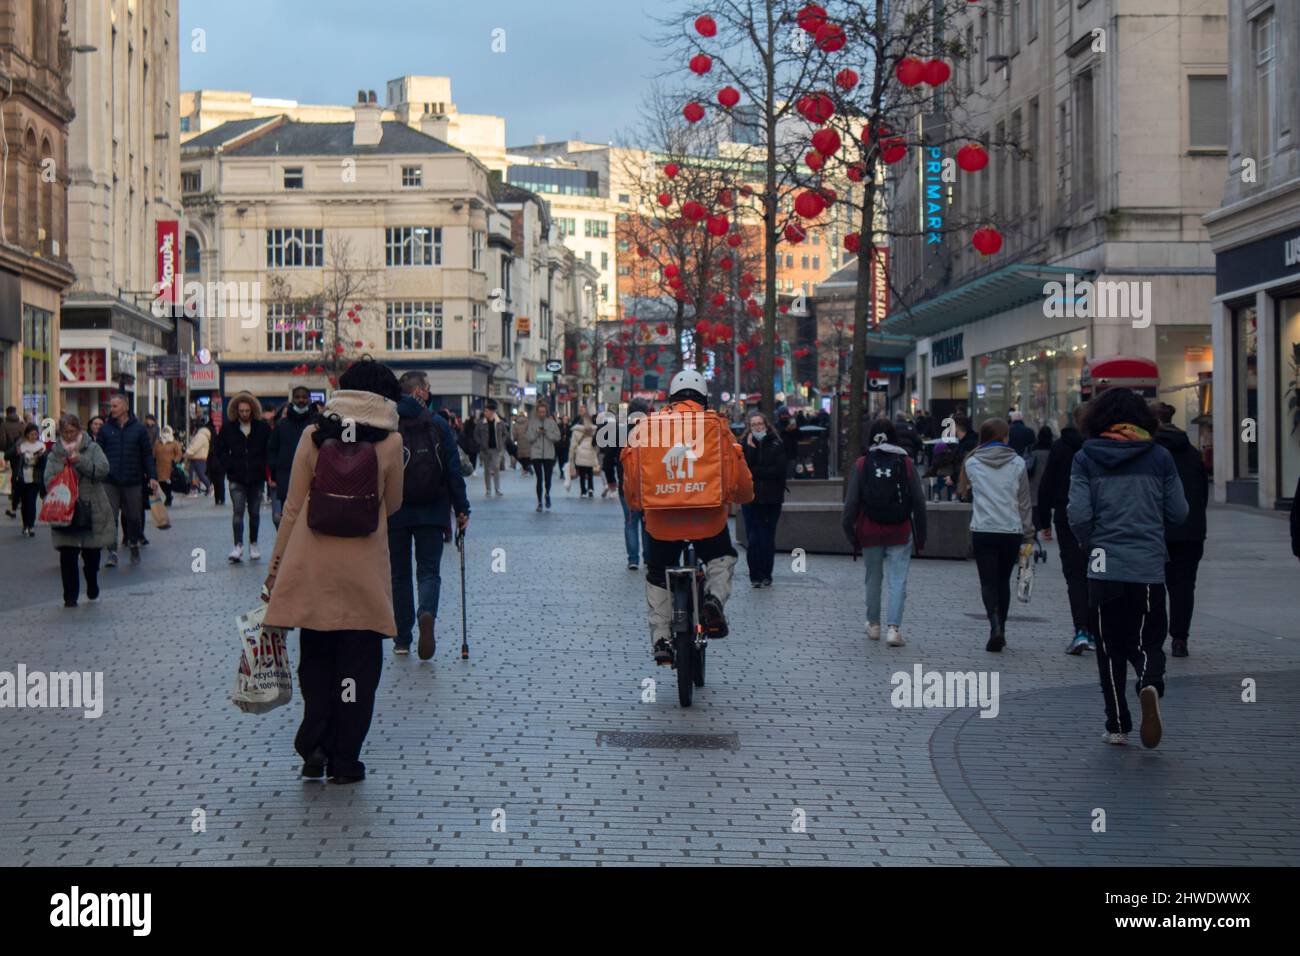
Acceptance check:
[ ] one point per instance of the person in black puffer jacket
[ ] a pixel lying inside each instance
(283, 445)
(1053, 496)
(241, 447)
(766, 457)
(1185, 542)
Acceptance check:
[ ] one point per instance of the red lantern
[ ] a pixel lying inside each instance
(706, 26)
(741, 348)
(318, 369)
(972, 157)
(693, 210)
(642, 251)
(718, 225)
(662, 328)
(893, 150)
(356, 319)
(659, 369)
(830, 37)
(701, 63)
(358, 344)
(728, 96)
(339, 348)
(676, 283)
(748, 365)
(853, 242)
(846, 79)
(748, 279)
(910, 71)
(811, 18)
(857, 172)
(815, 160)
(734, 240)
(821, 109)
(719, 299)
(747, 190)
(670, 170)
(937, 72)
(794, 233)
(783, 309)
(745, 291)
(826, 141)
(693, 112)
(671, 271)
(809, 204)
(725, 263)
(665, 200)
(724, 198)
(987, 241)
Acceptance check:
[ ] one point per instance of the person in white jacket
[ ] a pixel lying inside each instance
(197, 455)
(1001, 520)
(583, 455)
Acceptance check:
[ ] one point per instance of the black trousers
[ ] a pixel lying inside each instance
(586, 479)
(543, 466)
(1130, 630)
(336, 715)
(1180, 582)
(27, 495)
(996, 556)
(1074, 565)
(760, 532)
(68, 570)
(660, 554)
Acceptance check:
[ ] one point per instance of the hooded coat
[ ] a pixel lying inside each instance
(92, 474)
(128, 450)
(1001, 502)
(1196, 484)
(243, 457)
(1054, 486)
(1122, 496)
(328, 583)
(582, 446)
(860, 530)
(283, 443)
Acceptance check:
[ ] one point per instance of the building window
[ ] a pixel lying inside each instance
(1207, 112)
(295, 248)
(1016, 162)
(803, 262)
(624, 198)
(476, 250)
(999, 28)
(414, 326)
(984, 46)
(1263, 140)
(289, 331)
(412, 176)
(1032, 158)
(1085, 146)
(293, 177)
(1031, 21)
(624, 245)
(604, 292)
(587, 256)
(413, 246)
(789, 261)
(476, 328)
(970, 58)
(191, 181)
(817, 262)
(604, 261)
(624, 270)
(1013, 27)
(507, 336)
(192, 254)
(595, 228)
(568, 226)
(36, 360)
(505, 277)
(1245, 361)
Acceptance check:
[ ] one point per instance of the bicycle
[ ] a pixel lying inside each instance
(689, 639)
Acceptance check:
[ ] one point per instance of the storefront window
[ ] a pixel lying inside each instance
(1185, 359)
(36, 360)
(1040, 379)
(1288, 311)
(1245, 383)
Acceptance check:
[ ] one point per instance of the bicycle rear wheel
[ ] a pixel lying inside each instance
(697, 665)
(683, 644)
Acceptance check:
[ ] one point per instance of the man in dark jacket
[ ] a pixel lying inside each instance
(1186, 542)
(424, 524)
(129, 451)
(241, 447)
(1053, 497)
(1022, 437)
(1124, 493)
(282, 447)
(11, 433)
(765, 456)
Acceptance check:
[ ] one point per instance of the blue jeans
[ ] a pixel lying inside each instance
(889, 561)
(760, 535)
(428, 542)
(633, 529)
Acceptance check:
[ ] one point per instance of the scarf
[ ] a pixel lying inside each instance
(364, 408)
(1126, 432)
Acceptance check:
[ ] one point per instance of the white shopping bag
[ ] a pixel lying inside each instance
(1025, 574)
(263, 681)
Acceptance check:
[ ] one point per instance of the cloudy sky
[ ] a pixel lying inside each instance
(570, 67)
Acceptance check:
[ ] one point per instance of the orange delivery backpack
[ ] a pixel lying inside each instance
(684, 459)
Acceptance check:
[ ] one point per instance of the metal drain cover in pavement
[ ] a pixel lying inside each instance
(633, 740)
(1012, 619)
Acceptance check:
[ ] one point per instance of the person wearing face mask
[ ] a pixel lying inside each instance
(284, 443)
(765, 456)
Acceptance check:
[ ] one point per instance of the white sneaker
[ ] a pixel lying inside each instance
(1118, 739)
(873, 631)
(237, 554)
(894, 639)
(254, 553)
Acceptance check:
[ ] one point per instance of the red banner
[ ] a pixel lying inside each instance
(879, 286)
(168, 247)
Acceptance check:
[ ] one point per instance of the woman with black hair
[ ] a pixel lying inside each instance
(1124, 491)
(339, 590)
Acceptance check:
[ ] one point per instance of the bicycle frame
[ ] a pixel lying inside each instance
(688, 574)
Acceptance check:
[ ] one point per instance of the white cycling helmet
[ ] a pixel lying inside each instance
(688, 379)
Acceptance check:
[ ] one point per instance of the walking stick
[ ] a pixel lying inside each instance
(464, 627)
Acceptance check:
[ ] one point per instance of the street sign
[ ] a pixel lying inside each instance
(204, 378)
(166, 366)
(555, 366)
(545, 377)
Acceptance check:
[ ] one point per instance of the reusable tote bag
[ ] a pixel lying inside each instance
(263, 680)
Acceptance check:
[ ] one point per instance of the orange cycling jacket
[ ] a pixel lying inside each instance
(682, 524)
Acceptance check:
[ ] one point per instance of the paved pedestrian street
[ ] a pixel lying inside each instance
(545, 747)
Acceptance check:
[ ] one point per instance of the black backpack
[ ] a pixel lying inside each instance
(886, 494)
(421, 460)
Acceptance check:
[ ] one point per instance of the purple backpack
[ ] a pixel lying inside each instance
(344, 499)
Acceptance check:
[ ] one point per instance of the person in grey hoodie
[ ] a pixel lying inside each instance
(1002, 519)
(1124, 493)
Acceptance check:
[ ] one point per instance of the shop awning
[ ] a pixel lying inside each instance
(1000, 291)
